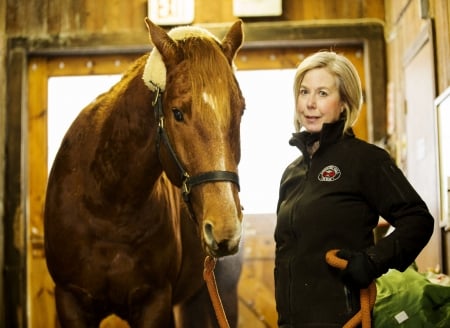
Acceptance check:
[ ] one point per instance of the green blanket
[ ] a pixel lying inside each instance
(409, 299)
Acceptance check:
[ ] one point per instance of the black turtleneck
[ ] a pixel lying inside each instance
(330, 133)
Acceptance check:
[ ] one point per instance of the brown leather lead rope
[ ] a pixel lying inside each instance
(210, 279)
(367, 295)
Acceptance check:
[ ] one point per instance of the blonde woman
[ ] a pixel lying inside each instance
(331, 197)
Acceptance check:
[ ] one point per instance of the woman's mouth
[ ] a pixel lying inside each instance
(311, 119)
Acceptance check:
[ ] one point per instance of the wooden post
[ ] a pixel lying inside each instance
(14, 212)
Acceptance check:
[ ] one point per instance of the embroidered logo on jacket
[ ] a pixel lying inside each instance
(329, 173)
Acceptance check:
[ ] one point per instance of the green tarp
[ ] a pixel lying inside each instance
(410, 300)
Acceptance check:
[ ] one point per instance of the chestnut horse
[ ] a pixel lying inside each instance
(145, 185)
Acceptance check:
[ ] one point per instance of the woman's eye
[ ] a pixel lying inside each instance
(178, 114)
(303, 91)
(323, 93)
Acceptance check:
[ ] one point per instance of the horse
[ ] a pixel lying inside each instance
(145, 185)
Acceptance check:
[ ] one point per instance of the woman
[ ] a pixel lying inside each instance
(331, 197)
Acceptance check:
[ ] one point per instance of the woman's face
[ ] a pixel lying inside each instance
(318, 100)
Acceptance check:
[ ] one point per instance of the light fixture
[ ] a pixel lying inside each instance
(257, 8)
(171, 12)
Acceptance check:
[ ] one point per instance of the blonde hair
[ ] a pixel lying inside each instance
(347, 82)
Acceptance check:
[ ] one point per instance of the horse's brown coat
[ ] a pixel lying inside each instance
(118, 236)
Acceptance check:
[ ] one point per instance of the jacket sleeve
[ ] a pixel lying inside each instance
(387, 189)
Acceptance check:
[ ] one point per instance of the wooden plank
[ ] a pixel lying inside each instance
(257, 299)
(37, 146)
(256, 285)
(90, 65)
(332, 9)
(442, 14)
(40, 285)
(14, 223)
(42, 309)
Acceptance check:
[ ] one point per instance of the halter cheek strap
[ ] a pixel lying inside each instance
(187, 181)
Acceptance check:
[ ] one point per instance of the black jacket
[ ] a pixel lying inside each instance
(333, 201)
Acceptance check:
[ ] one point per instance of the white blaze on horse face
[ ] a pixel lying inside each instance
(233, 229)
(210, 100)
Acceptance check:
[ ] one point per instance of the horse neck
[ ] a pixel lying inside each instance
(126, 160)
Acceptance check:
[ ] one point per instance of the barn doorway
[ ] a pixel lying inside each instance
(267, 121)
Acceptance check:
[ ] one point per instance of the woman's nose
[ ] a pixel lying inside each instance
(311, 101)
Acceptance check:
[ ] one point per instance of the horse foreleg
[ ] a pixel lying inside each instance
(150, 308)
(70, 311)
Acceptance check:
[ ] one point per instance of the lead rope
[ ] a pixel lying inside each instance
(210, 279)
(367, 295)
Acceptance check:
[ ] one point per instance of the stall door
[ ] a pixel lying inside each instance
(421, 127)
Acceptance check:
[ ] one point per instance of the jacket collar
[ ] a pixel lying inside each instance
(330, 133)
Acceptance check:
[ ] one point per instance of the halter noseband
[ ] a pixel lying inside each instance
(187, 181)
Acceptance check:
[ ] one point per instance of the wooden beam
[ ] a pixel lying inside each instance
(14, 221)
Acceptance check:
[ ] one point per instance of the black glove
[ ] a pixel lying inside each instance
(360, 270)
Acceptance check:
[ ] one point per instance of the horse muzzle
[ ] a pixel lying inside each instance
(217, 246)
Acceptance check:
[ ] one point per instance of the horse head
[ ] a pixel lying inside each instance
(198, 105)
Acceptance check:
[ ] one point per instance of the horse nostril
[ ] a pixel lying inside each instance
(208, 228)
(209, 235)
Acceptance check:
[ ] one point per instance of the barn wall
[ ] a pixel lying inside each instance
(53, 18)
(407, 21)
(3, 39)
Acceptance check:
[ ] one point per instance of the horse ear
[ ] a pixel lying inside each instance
(233, 40)
(161, 40)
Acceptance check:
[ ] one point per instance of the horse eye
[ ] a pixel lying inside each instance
(178, 114)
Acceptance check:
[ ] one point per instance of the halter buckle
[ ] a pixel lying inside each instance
(185, 187)
(158, 92)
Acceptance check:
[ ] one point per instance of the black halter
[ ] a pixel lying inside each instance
(187, 181)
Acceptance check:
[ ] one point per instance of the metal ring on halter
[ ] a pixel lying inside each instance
(185, 187)
(154, 101)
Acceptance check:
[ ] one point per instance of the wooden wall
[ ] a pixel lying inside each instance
(60, 18)
(407, 24)
(3, 46)
(405, 20)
